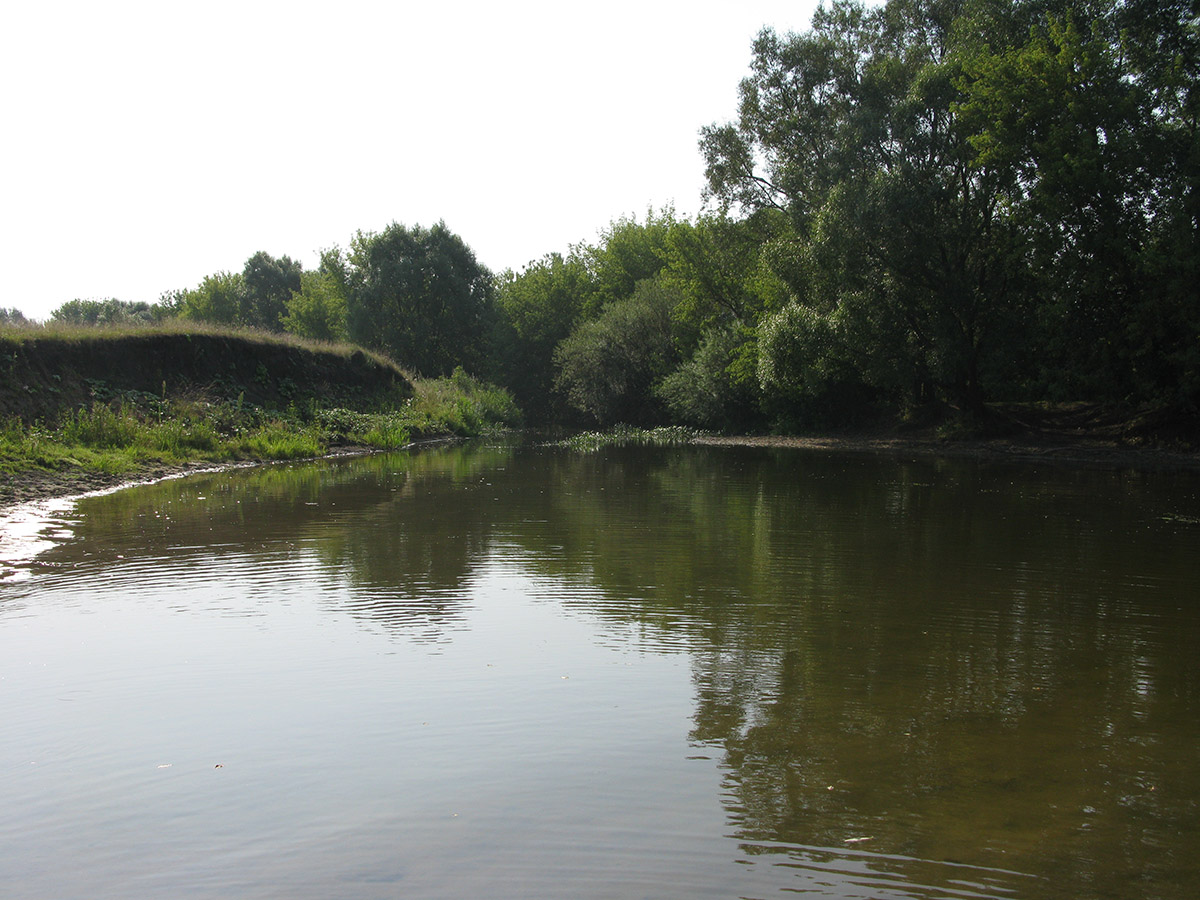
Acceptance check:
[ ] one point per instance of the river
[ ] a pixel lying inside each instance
(515, 671)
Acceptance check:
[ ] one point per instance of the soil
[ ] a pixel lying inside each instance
(1028, 448)
(42, 377)
(27, 487)
(1071, 434)
(34, 486)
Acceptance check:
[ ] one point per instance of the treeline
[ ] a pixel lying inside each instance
(926, 202)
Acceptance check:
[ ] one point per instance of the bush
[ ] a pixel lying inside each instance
(712, 390)
(608, 366)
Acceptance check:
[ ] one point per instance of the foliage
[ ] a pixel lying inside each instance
(317, 309)
(256, 297)
(419, 295)
(608, 366)
(269, 285)
(856, 125)
(715, 389)
(1092, 114)
(536, 310)
(220, 299)
(983, 199)
(138, 431)
(462, 405)
(627, 253)
(107, 312)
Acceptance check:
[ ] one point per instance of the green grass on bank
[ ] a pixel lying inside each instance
(140, 431)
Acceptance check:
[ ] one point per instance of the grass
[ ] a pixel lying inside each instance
(31, 331)
(132, 434)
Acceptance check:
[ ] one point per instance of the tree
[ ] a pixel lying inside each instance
(107, 312)
(269, 284)
(851, 130)
(1093, 113)
(537, 309)
(420, 295)
(317, 310)
(716, 386)
(219, 298)
(608, 366)
(628, 252)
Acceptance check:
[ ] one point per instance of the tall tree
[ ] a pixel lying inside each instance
(269, 282)
(420, 295)
(537, 308)
(852, 130)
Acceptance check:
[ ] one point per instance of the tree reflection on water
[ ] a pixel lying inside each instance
(911, 659)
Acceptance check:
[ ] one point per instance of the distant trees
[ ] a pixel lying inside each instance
(256, 297)
(220, 298)
(107, 312)
(317, 309)
(536, 310)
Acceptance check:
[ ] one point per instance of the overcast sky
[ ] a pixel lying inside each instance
(147, 145)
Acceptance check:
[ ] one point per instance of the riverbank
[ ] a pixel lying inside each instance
(1041, 449)
(21, 488)
(1079, 452)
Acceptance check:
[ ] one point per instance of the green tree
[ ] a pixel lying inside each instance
(851, 130)
(219, 298)
(420, 295)
(269, 285)
(536, 310)
(716, 387)
(107, 312)
(608, 366)
(317, 310)
(1093, 115)
(628, 252)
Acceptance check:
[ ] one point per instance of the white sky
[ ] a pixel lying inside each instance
(146, 145)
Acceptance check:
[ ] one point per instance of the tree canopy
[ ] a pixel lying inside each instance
(957, 171)
(420, 295)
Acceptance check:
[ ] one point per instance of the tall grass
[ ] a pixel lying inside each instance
(125, 436)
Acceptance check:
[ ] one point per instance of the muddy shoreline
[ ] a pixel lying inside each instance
(1063, 452)
(34, 486)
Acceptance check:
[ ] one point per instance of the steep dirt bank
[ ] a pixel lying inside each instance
(43, 375)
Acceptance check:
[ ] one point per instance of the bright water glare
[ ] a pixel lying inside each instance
(524, 672)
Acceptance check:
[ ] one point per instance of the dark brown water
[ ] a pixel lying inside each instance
(525, 672)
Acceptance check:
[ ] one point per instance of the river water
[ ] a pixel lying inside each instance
(513, 671)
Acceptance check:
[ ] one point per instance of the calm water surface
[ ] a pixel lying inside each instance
(521, 672)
